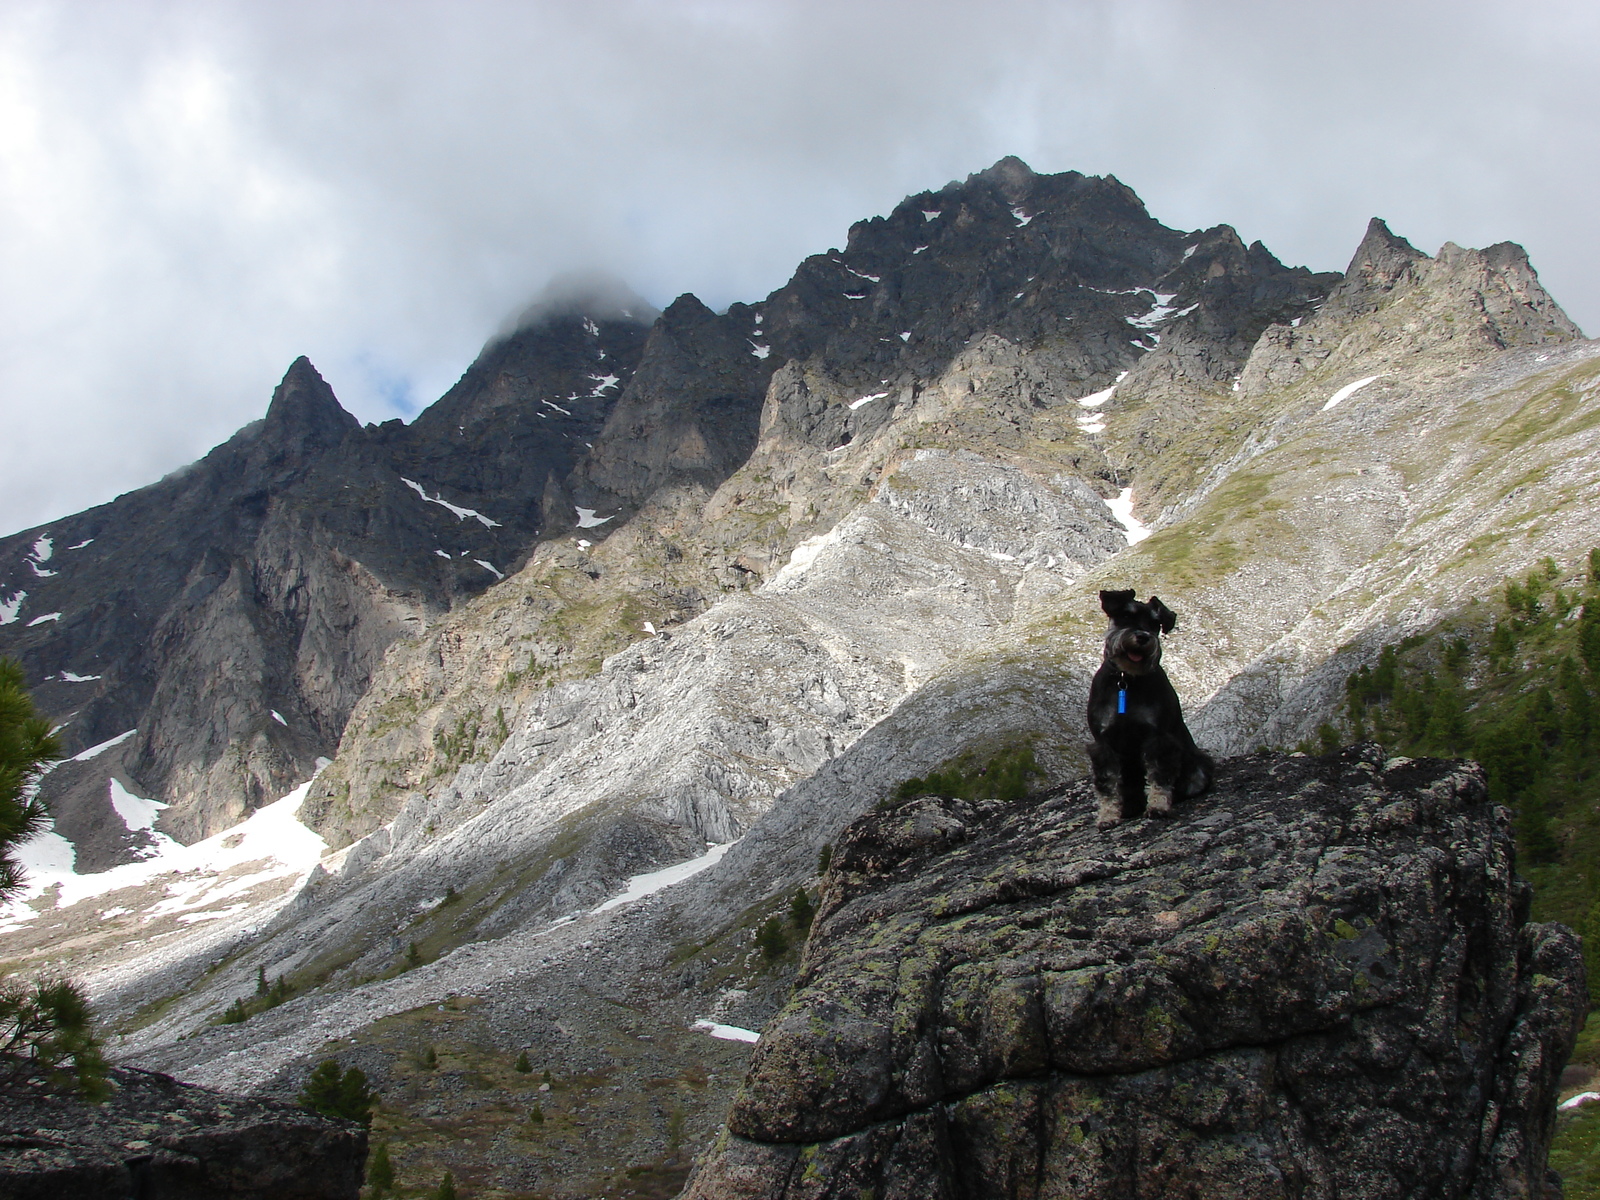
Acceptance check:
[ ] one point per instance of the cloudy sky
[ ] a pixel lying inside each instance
(192, 194)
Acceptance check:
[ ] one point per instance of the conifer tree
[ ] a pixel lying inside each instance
(345, 1096)
(25, 748)
(46, 1029)
(447, 1188)
(380, 1172)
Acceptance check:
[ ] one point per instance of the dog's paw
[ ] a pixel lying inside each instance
(1158, 802)
(1110, 812)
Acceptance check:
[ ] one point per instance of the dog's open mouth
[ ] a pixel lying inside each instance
(1135, 656)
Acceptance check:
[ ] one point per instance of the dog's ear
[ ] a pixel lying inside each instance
(1167, 618)
(1112, 603)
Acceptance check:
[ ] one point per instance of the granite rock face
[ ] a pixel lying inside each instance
(158, 1139)
(1317, 980)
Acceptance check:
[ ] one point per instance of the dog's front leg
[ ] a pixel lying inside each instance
(1158, 801)
(1163, 759)
(1107, 771)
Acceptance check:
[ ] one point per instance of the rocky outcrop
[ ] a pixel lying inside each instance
(1318, 980)
(158, 1139)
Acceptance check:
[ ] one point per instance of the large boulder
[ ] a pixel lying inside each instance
(1317, 981)
(158, 1139)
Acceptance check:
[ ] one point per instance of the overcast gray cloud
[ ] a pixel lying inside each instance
(193, 194)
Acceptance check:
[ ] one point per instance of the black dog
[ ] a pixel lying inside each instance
(1143, 756)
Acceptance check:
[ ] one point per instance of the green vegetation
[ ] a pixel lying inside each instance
(25, 748)
(523, 1066)
(47, 1037)
(46, 1029)
(345, 1096)
(381, 1180)
(824, 858)
(1004, 777)
(447, 1188)
(1517, 691)
(267, 996)
(772, 940)
(801, 910)
(1515, 684)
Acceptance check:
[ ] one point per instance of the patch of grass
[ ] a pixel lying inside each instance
(1005, 776)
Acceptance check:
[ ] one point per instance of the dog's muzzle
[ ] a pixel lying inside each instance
(1135, 651)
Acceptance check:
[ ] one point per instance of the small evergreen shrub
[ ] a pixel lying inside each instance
(380, 1173)
(771, 939)
(801, 911)
(332, 1094)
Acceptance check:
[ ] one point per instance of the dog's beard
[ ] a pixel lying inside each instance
(1129, 658)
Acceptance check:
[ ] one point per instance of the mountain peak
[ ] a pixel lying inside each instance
(305, 412)
(1013, 177)
(1381, 263)
(592, 294)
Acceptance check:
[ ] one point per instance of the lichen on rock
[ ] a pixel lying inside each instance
(1318, 980)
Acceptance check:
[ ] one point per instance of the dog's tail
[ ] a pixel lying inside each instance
(1201, 775)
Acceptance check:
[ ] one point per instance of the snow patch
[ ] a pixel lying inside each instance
(489, 567)
(650, 628)
(853, 296)
(855, 404)
(587, 519)
(1348, 390)
(1188, 253)
(74, 677)
(461, 513)
(1578, 1101)
(590, 327)
(272, 836)
(1096, 399)
(95, 751)
(442, 553)
(81, 544)
(42, 549)
(652, 882)
(1122, 509)
(557, 407)
(40, 571)
(1093, 423)
(801, 558)
(1022, 217)
(928, 216)
(728, 1033)
(9, 607)
(864, 275)
(918, 249)
(758, 350)
(278, 717)
(602, 382)
(906, 336)
(55, 616)
(1160, 311)
(136, 812)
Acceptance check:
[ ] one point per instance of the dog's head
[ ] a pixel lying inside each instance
(1133, 642)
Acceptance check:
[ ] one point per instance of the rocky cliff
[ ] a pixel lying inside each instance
(1317, 980)
(227, 619)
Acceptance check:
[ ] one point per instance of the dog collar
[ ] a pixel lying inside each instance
(1122, 693)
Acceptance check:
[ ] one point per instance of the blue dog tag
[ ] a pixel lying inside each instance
(1122, 700)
